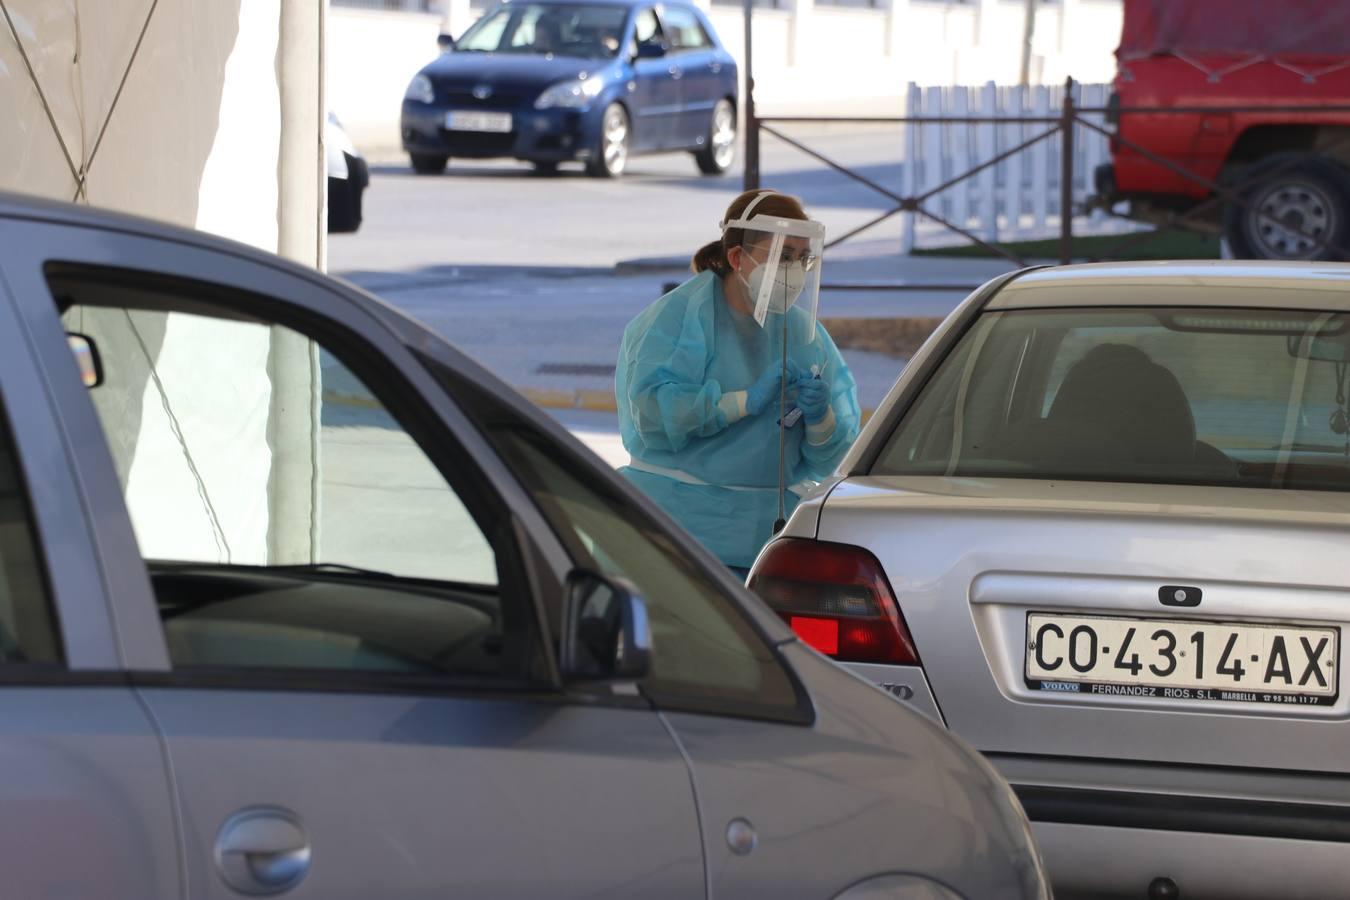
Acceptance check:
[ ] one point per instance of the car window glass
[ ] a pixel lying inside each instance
(287, 517)
(706, 654)
(704, 651)
(683, 30)
(486, 35)
(1075, 343)
(579, 30)
(27, 626)
(1257, 398)
(647, 29)
(527, 27)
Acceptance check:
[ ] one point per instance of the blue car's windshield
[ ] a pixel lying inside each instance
(548, 29)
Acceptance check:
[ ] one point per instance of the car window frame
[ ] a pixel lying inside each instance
(659, 35)
(491, 412)
(707, 46)
(399, 400)
(28, 449)
(872, 444)
(66, 541)
(327, 311)
(31, 546)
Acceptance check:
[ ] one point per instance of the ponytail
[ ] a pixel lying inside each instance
(711, 257)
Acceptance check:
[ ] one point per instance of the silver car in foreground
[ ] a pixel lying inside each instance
(296, 599)
(1100, 528)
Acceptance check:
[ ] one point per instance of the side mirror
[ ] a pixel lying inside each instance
(445, 42)
(606, 633)
(651, 50)
(86, 358)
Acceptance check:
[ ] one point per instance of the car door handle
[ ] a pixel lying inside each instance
(262, 850)
(715, 67)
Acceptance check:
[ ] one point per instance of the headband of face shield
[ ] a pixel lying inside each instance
(786, 255)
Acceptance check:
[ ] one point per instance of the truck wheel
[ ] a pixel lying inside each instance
(1297, 206)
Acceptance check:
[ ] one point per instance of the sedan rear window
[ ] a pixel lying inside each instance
(1247, 398)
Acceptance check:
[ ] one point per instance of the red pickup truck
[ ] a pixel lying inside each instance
(1260, 98)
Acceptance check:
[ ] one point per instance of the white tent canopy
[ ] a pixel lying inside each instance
(207, 114)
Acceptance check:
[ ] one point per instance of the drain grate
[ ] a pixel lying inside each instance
(598, 370)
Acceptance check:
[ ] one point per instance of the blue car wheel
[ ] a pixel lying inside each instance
(719, 149)
(615, 134)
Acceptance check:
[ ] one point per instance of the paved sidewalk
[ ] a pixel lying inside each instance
(553, 333)
(597, 430)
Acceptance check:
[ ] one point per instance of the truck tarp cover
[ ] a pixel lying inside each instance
(1242, 27)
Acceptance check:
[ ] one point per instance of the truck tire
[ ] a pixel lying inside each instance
(1299, 210)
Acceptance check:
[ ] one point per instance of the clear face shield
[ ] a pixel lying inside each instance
(785, 255)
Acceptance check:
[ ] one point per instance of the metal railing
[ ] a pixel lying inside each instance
(1062, 127)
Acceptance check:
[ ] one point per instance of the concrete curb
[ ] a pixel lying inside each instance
(544, 398)
(360, 402)
(593, 401)
(653, 264)
(578, 398)
(547, 398)
(465, 274)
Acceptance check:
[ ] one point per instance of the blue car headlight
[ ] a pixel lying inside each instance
(573, 94)
(420, 89)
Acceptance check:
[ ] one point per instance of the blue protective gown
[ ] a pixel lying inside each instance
(678, 358)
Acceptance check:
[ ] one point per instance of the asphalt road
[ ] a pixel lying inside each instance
(519, 271)
(499, 212)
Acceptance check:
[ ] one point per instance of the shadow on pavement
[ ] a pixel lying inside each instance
(387, 282)
(820, 186)
(567, 172)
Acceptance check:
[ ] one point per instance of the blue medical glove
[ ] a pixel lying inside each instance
(768, 387)
(813, 398)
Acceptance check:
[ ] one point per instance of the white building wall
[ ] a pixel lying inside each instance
(372, 55)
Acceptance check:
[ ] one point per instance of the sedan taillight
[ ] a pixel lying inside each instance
(836, 598)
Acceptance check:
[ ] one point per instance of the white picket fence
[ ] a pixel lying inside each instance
(1017, 199)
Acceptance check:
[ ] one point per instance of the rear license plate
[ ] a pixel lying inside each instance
(1182, 660)
(470, 120)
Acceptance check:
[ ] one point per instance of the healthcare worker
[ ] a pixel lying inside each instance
(733, 401)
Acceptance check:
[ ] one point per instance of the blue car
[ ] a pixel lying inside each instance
(597, 82)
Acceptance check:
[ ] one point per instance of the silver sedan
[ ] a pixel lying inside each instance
(1099, 529)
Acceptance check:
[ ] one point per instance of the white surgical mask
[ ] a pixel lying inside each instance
(788, 282)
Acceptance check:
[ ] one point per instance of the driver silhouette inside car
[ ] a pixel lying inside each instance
(547, 36)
